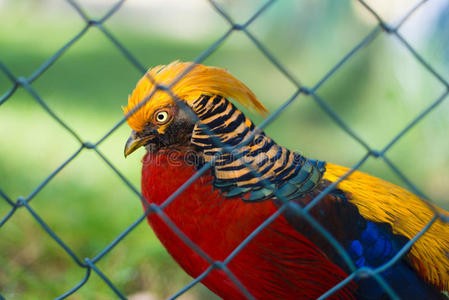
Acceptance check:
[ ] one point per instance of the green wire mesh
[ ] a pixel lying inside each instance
(89, 264)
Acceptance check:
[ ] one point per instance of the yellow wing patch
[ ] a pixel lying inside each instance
(381, 201)
(199, 79)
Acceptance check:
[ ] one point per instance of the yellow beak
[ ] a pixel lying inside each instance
(134, 142)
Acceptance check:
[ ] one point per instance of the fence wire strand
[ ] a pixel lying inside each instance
(89, 264)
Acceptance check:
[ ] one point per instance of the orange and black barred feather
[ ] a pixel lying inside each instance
(256, 163)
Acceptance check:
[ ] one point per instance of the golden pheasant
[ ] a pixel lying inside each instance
(289, 259)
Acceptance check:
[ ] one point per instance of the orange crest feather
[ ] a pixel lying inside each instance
(199, 80)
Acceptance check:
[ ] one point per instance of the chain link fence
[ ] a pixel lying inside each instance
(89, 264)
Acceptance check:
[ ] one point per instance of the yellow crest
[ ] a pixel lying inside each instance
(199, 80)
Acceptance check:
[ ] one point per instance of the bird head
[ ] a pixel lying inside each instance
(163, 118)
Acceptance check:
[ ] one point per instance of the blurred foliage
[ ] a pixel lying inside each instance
(377, 92)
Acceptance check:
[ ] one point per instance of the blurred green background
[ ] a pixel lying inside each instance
(377, 92)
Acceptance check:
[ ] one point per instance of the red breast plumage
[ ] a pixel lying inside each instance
(290, 266)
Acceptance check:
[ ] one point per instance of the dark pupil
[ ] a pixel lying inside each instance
(160, 117)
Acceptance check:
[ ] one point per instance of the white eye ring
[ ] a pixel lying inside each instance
(161, 117)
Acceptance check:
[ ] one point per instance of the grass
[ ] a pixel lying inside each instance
(87, 205)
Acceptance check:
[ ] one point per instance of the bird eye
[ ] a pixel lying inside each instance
(161, 117)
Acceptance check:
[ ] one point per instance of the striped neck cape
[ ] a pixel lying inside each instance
(256, 164)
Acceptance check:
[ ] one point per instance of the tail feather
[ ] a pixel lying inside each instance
(382, 202)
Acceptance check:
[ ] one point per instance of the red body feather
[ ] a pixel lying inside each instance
(279, 263)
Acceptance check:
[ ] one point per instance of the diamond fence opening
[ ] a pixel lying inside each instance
(89, 264)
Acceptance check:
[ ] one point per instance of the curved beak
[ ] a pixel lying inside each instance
(134, 142)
